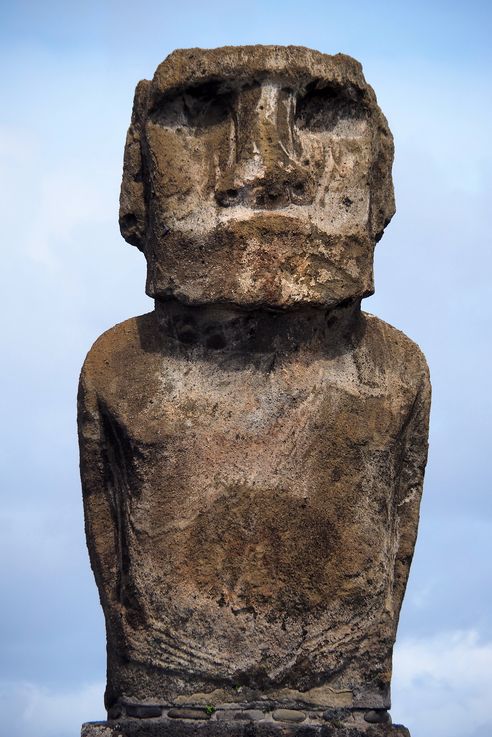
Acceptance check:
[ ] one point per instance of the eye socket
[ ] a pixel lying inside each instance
(205, 108)
(198, 107)
(323, 109)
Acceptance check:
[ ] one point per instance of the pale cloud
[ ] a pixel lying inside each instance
(46, 203)
(15, 146)
(442, 685)
(432, 108)
(67, 201)
(31, 710)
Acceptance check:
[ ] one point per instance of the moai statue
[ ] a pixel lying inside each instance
(253, 449)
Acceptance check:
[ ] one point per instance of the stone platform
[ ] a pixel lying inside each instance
(256, 724)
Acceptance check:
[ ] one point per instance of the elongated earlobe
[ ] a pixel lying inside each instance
(132, 217)
(382, 192)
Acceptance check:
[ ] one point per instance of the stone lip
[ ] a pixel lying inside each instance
(217, 728)
(377, 716)
(266, 712)
(143, 711)
(146, 721)
(184, 712)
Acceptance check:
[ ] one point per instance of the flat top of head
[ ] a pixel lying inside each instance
(296, 64)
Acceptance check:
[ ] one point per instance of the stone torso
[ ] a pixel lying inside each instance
(256, 506)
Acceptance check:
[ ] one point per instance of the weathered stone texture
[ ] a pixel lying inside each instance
(257, 176)
(252, 451)
(184, 728)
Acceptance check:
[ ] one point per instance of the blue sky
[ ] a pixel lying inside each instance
(68, 75)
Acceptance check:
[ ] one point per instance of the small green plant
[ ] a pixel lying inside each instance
(209, 709)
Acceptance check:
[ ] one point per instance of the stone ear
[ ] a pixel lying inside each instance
(132, 217)
(383, 195)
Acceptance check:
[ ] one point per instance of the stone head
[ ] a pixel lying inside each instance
(257, 175)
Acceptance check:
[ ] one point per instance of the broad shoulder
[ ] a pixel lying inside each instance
(120, 348)
(386, 346)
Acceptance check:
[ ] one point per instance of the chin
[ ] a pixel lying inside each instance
(265, 267)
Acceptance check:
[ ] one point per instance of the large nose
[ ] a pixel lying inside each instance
(265, 168)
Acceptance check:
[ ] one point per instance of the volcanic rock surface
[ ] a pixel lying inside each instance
(253, 450)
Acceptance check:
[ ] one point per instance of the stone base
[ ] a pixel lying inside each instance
(214, 727)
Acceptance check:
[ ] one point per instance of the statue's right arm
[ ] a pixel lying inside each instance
(101, 525)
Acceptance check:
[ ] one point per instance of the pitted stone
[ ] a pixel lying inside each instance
(183, 728)
(143, 711)
(288, 715)
(188, 713)
(253, 450)
(250, 715)
(377, 716)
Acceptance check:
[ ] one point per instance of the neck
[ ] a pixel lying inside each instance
(231, 329)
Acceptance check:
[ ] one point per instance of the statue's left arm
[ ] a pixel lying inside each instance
(413, 457)
(101, 518)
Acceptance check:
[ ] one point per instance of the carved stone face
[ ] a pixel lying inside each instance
(257, 176)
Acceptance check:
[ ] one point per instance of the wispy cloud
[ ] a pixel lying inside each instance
(68, 201)
(442, 685)
(31, 710)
